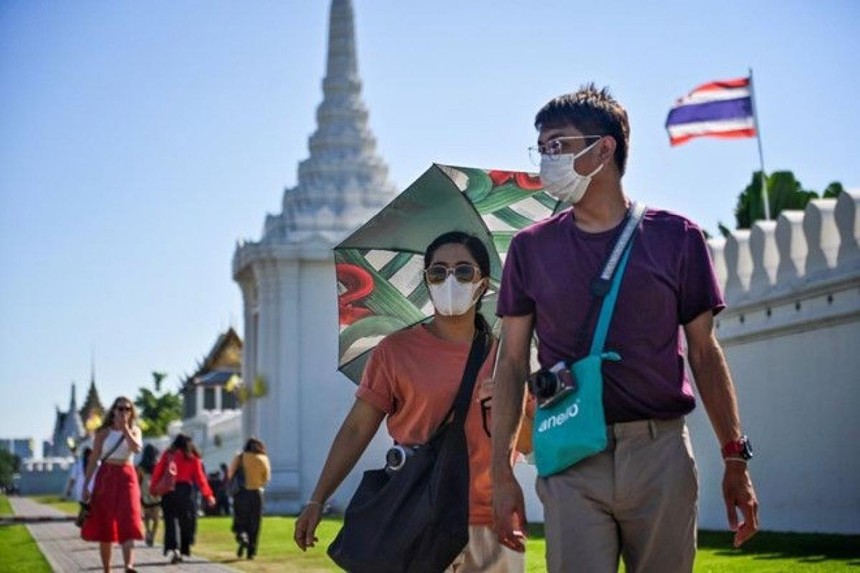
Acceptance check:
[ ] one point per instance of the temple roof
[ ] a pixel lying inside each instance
(92, 403)
(222, 362)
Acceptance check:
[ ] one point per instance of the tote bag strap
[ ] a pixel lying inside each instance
(477, 355)
(615, 265)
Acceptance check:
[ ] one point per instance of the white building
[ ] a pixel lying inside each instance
(790, 334)
(289, 290)
(211, 412)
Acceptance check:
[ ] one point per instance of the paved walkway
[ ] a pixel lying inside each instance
(61, 544)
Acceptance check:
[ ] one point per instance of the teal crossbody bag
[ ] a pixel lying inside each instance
(574, 427)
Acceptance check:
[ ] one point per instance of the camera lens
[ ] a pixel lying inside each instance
(395, 457)
(543, 384)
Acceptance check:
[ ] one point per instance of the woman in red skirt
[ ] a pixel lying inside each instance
(115, 499)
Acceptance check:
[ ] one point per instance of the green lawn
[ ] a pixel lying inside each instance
(64, 505)
(766, 553)
(20, 554)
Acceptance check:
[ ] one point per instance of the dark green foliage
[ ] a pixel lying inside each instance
(833, 190)
(155, 409)
(9, 465)
(784, 193)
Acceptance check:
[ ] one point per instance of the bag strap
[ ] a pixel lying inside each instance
(477, 355)
(113, 449)
(601, 285)
(616, 263)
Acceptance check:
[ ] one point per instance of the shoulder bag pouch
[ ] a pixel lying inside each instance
(574, 428)
(415, 519)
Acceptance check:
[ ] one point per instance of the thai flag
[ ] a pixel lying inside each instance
(718, 109)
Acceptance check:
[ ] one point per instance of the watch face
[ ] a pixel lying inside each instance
(742, 448)
(746, 448)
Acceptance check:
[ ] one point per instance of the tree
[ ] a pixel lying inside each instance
(9, 466)
(784, 192)
(157, 409)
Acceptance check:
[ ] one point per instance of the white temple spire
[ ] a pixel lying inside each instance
(343, 182)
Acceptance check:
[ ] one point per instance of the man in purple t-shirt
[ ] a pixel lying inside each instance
(636, 499)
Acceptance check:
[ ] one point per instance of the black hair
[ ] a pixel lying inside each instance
(183, 443)
(479, 252)
(255, 446)
(148, 458)
(593, 112)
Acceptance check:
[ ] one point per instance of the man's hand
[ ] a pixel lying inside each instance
(306, 526)
(509, 514)
(738, 494)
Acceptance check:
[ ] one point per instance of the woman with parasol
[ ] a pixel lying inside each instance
(410, 381)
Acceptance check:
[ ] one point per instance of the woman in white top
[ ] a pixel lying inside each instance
(75, 485)
(115, 515)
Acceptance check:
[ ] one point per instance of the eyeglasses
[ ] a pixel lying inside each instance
(554, 147)
(464, 273)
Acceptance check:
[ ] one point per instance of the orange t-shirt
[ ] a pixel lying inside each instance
(413, 376)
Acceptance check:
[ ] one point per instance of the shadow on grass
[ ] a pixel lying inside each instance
(802, 547)
(768, 545)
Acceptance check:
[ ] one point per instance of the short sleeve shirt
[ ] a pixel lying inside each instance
(669, 281)
(413, 376)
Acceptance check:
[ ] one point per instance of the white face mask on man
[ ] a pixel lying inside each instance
(560, 179)
(453, 298)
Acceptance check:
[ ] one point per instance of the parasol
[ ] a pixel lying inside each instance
(380, 266)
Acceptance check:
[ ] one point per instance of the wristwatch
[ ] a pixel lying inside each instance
(738, 449)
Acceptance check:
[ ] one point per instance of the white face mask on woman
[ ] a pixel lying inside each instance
(560, 179)
(453, 298)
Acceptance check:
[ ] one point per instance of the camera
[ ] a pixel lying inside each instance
(548, 386)
(396, 456)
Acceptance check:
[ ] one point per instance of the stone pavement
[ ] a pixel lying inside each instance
(61, 544)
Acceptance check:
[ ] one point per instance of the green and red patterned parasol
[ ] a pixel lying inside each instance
(380, 266)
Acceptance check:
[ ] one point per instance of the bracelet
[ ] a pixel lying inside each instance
(735, 459)
(313, 502)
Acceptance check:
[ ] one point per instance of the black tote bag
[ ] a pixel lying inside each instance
(416, 519)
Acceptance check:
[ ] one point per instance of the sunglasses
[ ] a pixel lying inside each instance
(464, 273)
(123, 408)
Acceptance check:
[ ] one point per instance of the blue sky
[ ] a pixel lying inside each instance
(140, 140)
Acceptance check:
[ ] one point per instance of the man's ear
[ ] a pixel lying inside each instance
(606, 149)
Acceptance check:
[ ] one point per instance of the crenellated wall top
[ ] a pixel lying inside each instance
(797, 251)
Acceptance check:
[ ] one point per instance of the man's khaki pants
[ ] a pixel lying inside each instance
(637, 499)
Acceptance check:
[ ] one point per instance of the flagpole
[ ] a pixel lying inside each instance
(764, 197)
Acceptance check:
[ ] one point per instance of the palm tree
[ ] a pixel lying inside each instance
(157, 409)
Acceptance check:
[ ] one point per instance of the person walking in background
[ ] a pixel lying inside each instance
(178, 506)
(411, 380)
(248, 503)
(222, 497)
(637, 498)
(75, 485)
(151, 503)
(115, 498)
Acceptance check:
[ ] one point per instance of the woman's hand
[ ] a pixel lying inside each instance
(210, 501)
(306, 525)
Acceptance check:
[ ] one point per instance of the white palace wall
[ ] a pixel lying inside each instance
(791, 335)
